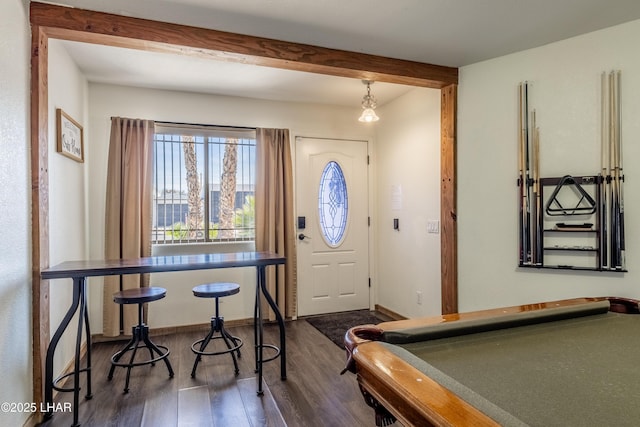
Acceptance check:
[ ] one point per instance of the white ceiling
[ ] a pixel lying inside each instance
(444, 32)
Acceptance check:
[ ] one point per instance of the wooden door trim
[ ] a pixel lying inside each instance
(448, 199)
(39, 207)
(59, 22)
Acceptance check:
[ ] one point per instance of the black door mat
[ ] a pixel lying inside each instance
(335, 325)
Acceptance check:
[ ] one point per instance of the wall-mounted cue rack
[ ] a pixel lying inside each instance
(572, 222)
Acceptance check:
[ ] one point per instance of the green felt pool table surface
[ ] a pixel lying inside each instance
(571, 369)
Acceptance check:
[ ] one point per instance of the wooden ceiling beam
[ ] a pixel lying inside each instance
(114, 30)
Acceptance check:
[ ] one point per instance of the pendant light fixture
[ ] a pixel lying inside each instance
(368, 105)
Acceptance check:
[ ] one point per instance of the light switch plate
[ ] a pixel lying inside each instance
(433, 226)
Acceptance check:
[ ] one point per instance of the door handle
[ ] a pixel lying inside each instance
(301, 236)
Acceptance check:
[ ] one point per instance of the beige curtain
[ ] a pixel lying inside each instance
(274, 215)
(128, 213)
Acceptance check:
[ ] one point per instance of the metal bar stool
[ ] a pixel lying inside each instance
(216, 290)
(140, 333)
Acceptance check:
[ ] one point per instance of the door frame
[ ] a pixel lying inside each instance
(60, 22)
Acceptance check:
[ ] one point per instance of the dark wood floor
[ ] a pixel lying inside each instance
(314, 394)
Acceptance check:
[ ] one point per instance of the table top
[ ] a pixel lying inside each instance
(157, 264)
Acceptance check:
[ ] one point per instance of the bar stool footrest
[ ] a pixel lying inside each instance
(56, 381)
(272, 347)
(118, 355)
(237, 340)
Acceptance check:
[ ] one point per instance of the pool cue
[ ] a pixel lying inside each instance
(623, 260)
(533, 238)
(535, 226)
(620, 256)
(526, 202)
(536, 182)
(604, 181)
(613, 169)
(612, 181)
(528, 181)
(521, 202)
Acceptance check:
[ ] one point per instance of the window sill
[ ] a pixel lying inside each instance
(202, 248)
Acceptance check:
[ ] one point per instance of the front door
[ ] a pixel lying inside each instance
(333, 225)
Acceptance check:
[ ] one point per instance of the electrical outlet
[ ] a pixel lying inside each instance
(419, 297)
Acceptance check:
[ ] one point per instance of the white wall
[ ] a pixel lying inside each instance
(109, 100)
(67, 190)
(566, 95)
(15, 194)
(408, 188)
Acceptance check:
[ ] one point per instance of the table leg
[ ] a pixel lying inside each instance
(256, 320)
(76, 363)
(78, 285)
(259, 335)
(79, 304)
(262, 282)
(89, 394)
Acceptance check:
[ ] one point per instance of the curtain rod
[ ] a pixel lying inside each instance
(213, 126)
(197, 124)
(326, 138)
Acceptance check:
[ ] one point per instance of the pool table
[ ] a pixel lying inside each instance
(570, 362)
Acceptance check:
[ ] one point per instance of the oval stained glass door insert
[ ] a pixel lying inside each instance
(333, 204)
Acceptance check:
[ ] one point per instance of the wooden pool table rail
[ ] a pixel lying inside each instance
(395, 384)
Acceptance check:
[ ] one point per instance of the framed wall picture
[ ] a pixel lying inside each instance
(70, 141)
